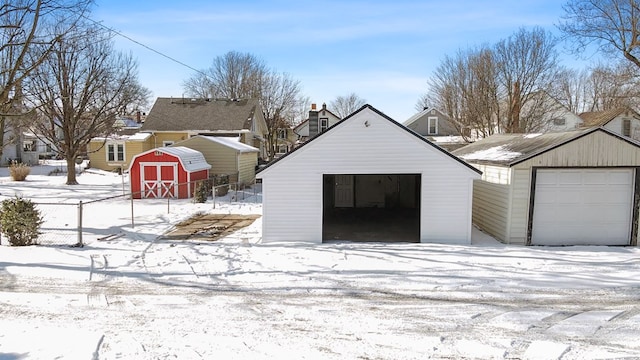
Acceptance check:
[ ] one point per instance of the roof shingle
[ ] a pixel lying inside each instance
(184, 114)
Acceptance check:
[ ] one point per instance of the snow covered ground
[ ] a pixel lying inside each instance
(137, 296)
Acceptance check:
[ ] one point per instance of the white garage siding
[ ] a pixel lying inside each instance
(582, 207)
(366, 143)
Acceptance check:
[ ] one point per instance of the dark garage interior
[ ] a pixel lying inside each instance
(371, 207)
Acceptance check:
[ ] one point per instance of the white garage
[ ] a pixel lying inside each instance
(368, 178)
(570, 188)
(577, 206)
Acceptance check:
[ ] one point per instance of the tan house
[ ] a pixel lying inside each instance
(227, 156)
(175, 119)
(117, 151)
(564, 188)
(623, 121)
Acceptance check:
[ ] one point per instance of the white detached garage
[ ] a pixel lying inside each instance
(368, 178)
(571, 188)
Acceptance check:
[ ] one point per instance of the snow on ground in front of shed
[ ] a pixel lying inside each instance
(138, 296)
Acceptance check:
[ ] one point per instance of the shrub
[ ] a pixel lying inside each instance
(221, 182)
(19, 171)
(20, 221)
(201, 191)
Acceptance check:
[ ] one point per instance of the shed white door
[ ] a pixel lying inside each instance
(583, 207)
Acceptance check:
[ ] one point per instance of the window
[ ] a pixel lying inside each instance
(324, 124)
(28, 146)
(559, 121)
(167, 143)
(626, 127)
(282, 149)
(433, 125)
(282, 133)
(115, 152)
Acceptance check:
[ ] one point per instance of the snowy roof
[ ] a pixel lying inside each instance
(139, 136)
(511, 149)
(231, 142)
(191, 160)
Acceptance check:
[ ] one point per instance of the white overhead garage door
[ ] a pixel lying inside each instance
(582, 207)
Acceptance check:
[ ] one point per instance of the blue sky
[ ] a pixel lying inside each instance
(384, 51)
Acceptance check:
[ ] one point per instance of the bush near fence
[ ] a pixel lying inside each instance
(66, 223)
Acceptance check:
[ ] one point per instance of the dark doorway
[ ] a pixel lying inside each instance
(371, 207)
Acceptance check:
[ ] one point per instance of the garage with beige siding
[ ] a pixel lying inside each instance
(368, 178)
(227, 156)
(569, 188)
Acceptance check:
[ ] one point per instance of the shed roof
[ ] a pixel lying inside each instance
(184, 114)
(230, 142)
(191, 160)
(384, 116)
(511, 149)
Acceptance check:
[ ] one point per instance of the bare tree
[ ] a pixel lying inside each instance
(279, 96)
(571, 89)
(23, 26)
(79, 89)
(343, 106)
(526, 64)
(233, 75)
(464, 87)
(237, 75)
(611, 25)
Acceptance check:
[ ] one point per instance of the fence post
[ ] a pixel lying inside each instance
(132, 224)
(80, 244)
(213, 189)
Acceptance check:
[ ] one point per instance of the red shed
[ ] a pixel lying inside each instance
(167, 172)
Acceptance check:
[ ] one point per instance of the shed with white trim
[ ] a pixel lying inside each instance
(368, 178)
(568, 188)
(226, 155)
(167, 172)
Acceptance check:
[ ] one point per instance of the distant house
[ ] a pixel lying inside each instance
(368, 178)
(431, 122)
(176, 119)
(317, 122)
(286, 140)
(227, 156)
(624, 121)
(437, 127)
(116, 152)
(565, 188)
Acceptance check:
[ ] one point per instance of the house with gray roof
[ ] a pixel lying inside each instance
(176, 119)
(565, 188)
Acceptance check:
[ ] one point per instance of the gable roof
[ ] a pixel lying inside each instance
(599, 118)
(183, 114)
(511, 149)
(384, 116)
(422, 113)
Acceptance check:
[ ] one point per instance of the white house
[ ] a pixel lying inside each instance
(623, 121)
(368, 178)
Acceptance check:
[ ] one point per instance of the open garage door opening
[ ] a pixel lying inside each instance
(371, 207)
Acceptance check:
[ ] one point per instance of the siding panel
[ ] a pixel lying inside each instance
(491, 208)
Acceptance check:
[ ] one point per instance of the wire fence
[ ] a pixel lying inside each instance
(75, 223)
